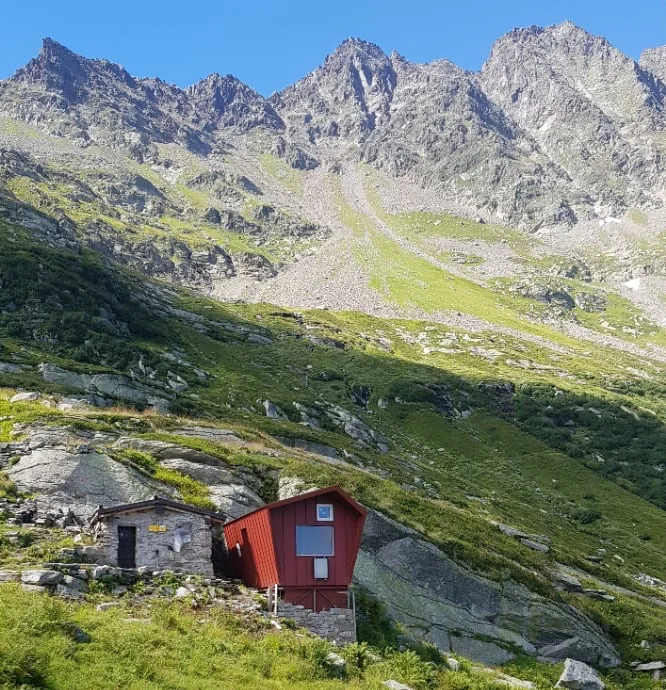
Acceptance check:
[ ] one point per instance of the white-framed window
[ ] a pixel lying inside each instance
(325, 512)
(312, 540)
(321, 568)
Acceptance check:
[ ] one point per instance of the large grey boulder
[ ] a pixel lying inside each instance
(41, 577)
(80, 482)
(111, 385)
(579, 676)
(227, 489)
(356, 429)
(26, 396)
(440, 601)
(224, 436)
(274, 412)
(395, 685)
(234, 491)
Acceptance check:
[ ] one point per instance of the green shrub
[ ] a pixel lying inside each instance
(586, 516)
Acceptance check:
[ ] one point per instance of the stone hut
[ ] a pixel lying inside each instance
(159, 534)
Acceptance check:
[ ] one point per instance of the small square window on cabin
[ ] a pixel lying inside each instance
(325, 512)
(314, 541)
(321, 568)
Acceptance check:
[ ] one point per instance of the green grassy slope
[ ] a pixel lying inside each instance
(509, 458)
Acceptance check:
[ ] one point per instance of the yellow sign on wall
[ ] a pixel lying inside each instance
(157, 528)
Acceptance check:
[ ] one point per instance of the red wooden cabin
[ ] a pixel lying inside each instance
(306, 545)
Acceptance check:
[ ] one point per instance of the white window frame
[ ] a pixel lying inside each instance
(325, 505)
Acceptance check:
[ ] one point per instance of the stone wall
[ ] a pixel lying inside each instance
(160, 550)
(336, 625)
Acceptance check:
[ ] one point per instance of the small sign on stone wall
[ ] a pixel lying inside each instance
(157, 528)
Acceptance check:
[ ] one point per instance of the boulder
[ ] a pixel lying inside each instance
(26, 396)
(77, 634)
(579, 676)
(80, 482)
(336, 664)
(452, 663)
(356, 429)
(441, 602)
(41, 577)
(74, 583)
(111, 385)
(274, 412)
(395, 685)
(227, 489)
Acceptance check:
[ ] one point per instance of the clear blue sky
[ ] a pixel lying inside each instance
(271, 44)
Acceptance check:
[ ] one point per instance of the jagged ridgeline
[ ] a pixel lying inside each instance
(493, 394)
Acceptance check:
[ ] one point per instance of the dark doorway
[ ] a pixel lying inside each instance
(126, 547)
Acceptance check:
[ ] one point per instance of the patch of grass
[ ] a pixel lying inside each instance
(637, 216)
(178, 648)
(193, 492)
(282, 172)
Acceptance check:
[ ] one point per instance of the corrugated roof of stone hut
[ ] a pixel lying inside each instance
(156, 502)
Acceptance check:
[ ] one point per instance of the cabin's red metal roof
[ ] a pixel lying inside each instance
(355, 505)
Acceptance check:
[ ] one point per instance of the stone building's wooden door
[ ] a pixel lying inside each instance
(126, 547)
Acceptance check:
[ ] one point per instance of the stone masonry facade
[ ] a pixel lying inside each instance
(165, 540)
(336, 625)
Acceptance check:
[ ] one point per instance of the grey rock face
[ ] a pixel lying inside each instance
(579, 676)
(587, 106)
(227, 489)
(558, 125)
(654, 60)
(458, 610)
(431, 123)
(113, 385)
(227, 102)
(80, 482)
(41, 577)
(274, 412)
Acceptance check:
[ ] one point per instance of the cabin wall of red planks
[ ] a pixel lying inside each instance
(298, 571)
(267, 539)
(256, 563)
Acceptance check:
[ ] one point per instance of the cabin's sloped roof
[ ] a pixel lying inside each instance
(157, 502)
(307, 495)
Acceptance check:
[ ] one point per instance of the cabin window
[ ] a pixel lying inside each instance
(321, 568)
(325, 512)
(314, 541)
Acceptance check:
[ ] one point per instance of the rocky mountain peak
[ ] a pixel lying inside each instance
(54, 67)
(347, 96)
(356, 47)
(58, 69)
(226, 101)
(654, 60)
